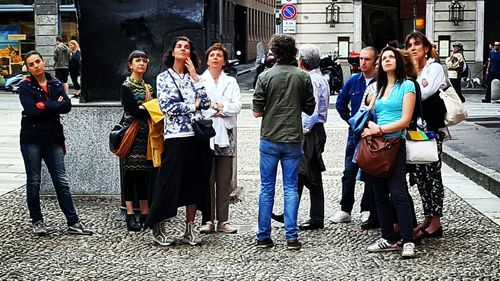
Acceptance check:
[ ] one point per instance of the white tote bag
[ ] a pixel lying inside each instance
(421, 152)
(455, 110)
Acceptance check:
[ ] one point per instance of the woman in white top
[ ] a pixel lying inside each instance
(431, 78)
(224, 92)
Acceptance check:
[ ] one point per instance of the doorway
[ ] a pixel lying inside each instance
(388, 20)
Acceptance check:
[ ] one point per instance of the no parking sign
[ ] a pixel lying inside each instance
(289, 12)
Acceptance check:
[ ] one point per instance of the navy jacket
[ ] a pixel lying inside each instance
(352, 93)
(42, 126)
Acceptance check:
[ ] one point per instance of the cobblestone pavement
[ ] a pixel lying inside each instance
(469, 249)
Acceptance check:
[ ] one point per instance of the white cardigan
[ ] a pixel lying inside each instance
(226, 92)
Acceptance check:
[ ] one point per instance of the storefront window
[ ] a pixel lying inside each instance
(17, 37)
(69, 27)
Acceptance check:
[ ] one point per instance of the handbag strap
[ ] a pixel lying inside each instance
(178, 89)
(418, 105)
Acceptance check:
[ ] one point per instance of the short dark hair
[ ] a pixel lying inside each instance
(217, 47)
(400, 69)
(32, 53)
(283, 48)
(168, 58)
(137, 54)
(420, 37)
(59, 39)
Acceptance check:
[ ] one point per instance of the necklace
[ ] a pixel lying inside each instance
(178, 74)
(137, 83)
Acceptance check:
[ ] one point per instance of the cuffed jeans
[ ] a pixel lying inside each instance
(290, 155)
(53, 156)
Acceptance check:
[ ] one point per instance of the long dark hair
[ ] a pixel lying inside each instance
(169, 59)
(32, 53)
(382, 75)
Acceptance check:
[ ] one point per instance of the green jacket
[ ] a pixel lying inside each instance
(282, 93)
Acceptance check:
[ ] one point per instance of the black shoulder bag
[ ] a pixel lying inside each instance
(202, 128)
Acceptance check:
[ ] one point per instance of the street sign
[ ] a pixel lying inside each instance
(289, 12)
(288, 2)
(289, 26)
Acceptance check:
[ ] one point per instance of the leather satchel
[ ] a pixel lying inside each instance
(377, 155)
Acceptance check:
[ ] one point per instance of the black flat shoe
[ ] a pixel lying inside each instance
(438, 233)
(278, 218)
(132, 224)
(485, 101)
(371, 223)
(311, 225)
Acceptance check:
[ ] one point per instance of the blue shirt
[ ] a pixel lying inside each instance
(494, 62)
(352, 93)
(389, 109)
(322, 97)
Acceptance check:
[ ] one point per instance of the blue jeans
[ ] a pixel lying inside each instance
(394, 189)
(349, 179)
(53, 156)
(290, 155)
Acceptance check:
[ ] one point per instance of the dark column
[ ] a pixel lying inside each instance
(110, 29)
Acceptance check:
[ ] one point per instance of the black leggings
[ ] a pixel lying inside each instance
(136, 183)
(74, 78)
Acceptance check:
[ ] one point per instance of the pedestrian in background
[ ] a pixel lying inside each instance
(184, 175)
(61, 62)
(42, 138)
(137, 169)
(393, 106)
(456, 65)
(492, 70)
(281, 95)
(75, 66)
(431, 78)
(225, 96)
(348, 103)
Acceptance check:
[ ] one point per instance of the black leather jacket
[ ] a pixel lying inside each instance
(42, 126)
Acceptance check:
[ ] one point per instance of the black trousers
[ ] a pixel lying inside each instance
(317, 209)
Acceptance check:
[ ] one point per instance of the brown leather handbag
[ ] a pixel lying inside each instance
(377, 155)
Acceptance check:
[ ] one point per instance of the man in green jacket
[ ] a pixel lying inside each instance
(281, 95)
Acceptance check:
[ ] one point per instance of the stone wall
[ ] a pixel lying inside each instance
(92, 168)
(46, 23)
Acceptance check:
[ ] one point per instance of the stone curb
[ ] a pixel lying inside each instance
(483, 176)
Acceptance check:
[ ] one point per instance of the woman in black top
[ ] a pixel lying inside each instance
(136, 168)
(75, 65)
(42, 138)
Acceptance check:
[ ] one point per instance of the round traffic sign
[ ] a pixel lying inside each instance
(289, 11)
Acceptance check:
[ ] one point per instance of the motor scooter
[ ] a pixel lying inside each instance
(353, 60)
(332, 72)
(12, 82)
(230, 67)
(263, 65)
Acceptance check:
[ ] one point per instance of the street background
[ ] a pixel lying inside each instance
(470, 248)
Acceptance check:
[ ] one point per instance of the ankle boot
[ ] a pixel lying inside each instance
(132, 224)
(160, 237)
(189, 236)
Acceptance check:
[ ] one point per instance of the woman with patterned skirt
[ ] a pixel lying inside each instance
(136, 168)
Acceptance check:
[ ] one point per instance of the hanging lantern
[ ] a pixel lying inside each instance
(456, 10)
(332, 14)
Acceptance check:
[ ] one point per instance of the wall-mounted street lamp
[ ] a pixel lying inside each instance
(456, 10)
(332, 14)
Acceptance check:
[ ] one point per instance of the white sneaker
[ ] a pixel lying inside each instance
(339, 217)
(408, 250)
(364, 216)
(382, 245)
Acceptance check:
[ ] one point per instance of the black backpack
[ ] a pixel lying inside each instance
(464, 73)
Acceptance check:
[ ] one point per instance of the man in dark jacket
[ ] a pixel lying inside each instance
(281, 95)
(348, 103)
(61, 62)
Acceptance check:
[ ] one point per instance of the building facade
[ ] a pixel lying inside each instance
(375, 22)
